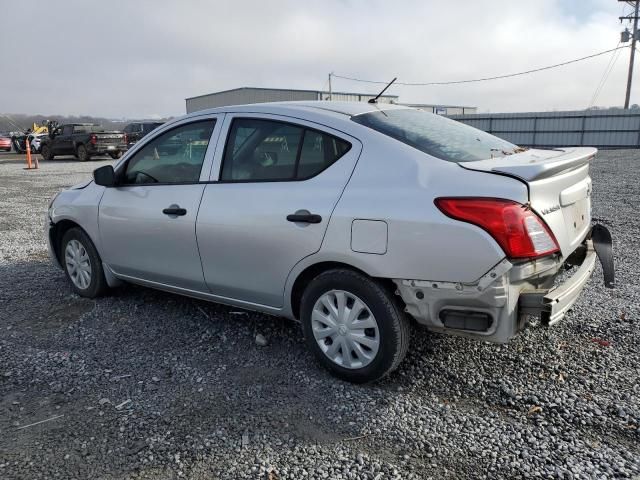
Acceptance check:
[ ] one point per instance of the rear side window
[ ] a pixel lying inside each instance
(267, 150)
(435, 135)
(319, 150)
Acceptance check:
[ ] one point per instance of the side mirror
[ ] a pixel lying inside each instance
(105, 176)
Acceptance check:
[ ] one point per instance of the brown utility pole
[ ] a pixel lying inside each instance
(634, 34)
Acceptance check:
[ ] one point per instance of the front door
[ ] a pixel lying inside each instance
(62, 144)
(278, 184)
(147, 222)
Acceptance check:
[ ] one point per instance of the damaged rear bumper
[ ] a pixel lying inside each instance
(552, 305)
(496, 307)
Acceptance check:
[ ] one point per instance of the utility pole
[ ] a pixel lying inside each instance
(634, 39)
(331, 92)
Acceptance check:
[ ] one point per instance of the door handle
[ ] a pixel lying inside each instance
(303, 216)
(175, 210)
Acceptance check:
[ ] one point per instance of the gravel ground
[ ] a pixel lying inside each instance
(148, 385)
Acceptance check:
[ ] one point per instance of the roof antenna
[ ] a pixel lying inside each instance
(375, 100)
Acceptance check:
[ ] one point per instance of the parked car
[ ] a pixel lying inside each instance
(354, 219)
(20, 139)
(5, 144)
(83, 140)
(137, 130)
(35, 141)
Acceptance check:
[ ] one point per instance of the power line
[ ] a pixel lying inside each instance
(605, 77)
(484, 79)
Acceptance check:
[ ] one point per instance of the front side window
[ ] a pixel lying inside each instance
(175, 156)
(66, 130)
(436, 135)
(267, 150)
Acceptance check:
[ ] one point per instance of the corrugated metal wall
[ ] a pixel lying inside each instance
(598, 128)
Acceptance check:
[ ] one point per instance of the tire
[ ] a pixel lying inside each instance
(82, 153)
(77, 249)
(115, 155)
(370, 363)
(45, 151)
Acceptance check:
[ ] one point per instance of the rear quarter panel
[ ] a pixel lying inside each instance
(397, 184)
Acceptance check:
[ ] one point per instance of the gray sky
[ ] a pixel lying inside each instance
(139, 58)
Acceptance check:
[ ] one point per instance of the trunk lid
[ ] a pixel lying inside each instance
(559, 188)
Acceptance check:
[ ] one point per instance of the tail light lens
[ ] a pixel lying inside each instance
(126, 139)
(93, 139)
(518, 231)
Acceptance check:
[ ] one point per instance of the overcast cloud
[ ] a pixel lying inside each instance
(123, 58)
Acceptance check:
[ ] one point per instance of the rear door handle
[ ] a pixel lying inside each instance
(175, 210)
(304, 216)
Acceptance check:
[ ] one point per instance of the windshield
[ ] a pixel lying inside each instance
(436, 135)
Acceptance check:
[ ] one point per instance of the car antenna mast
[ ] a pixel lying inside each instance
(375, 100)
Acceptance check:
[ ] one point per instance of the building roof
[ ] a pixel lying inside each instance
(290, 90)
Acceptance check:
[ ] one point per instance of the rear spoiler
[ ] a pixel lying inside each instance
(536, 164)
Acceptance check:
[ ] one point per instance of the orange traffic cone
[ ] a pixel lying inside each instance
(28, 145)
(26, 142)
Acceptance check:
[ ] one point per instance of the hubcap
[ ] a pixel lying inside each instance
(78, 264)
(345, 329)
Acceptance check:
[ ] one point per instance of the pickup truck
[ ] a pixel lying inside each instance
(136, 130)
(84, 141)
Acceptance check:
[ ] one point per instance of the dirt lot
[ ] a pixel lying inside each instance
(143, 384)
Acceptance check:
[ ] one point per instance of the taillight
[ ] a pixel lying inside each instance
(519, 231)
(93, 139)
(126, 139)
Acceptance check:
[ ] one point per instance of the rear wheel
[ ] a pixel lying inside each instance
(354, 326)
(45, 151)
(82, 264)
(82, 153)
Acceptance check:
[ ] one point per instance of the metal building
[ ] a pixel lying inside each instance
(245, 95)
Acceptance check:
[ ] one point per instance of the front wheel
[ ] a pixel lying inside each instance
(82, 264)
(354, 326)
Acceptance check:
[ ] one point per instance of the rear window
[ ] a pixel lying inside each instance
(87, 129)
(436, 135)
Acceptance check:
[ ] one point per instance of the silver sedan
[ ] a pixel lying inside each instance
(355, 219)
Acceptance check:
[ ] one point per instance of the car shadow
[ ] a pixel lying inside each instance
(187, 365)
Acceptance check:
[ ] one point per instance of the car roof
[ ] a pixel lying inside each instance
(327, 108)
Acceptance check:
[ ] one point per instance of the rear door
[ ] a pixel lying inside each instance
(147, 223)
(268, 208)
